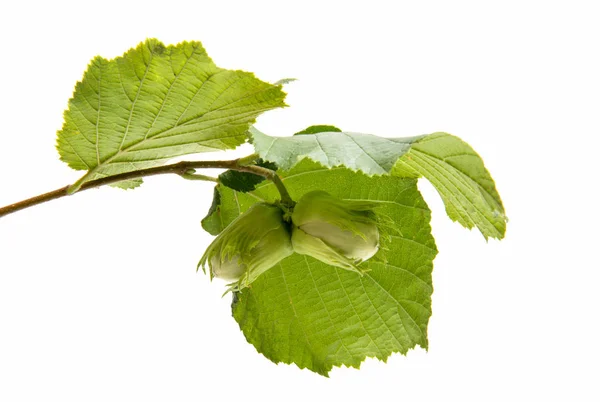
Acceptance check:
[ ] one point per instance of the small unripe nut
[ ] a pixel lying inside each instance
(254, 242)
(338, 232)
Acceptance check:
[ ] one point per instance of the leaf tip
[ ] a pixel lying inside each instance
(284, 81)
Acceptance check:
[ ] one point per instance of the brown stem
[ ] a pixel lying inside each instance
(30, 202)
(180, 168)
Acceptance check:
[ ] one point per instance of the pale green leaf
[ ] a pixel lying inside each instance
(128, 184)
(363, 152)
(285, 81)
(451, 165)
(316, 316)
(157, 102)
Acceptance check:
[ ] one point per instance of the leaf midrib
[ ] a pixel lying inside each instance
(337, 333)
(172, 84)
(137, 96)
(362, 324)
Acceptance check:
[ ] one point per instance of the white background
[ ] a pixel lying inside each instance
(99, 298)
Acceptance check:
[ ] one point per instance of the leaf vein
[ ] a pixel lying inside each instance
(133, 104)
(399, 305)
(362, 324)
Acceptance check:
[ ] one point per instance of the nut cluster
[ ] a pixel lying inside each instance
(341, 233)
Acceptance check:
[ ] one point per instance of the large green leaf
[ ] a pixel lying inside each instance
(316, 316)
(154, 103)
(452, 166)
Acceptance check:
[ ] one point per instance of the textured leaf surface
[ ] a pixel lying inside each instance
(316, 316)
(463, 182)
(157, 102)
(363, 152)
(451, 165)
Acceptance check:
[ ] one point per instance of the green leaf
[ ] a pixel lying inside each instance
(362, 152)
(217, 219)
(128, 184)
(463, 182)
(212, 221)
(319, 129)
(451, 165)
(285, 81)
(242, 181)
(316, 316)
(224, 209)
(157, 102)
